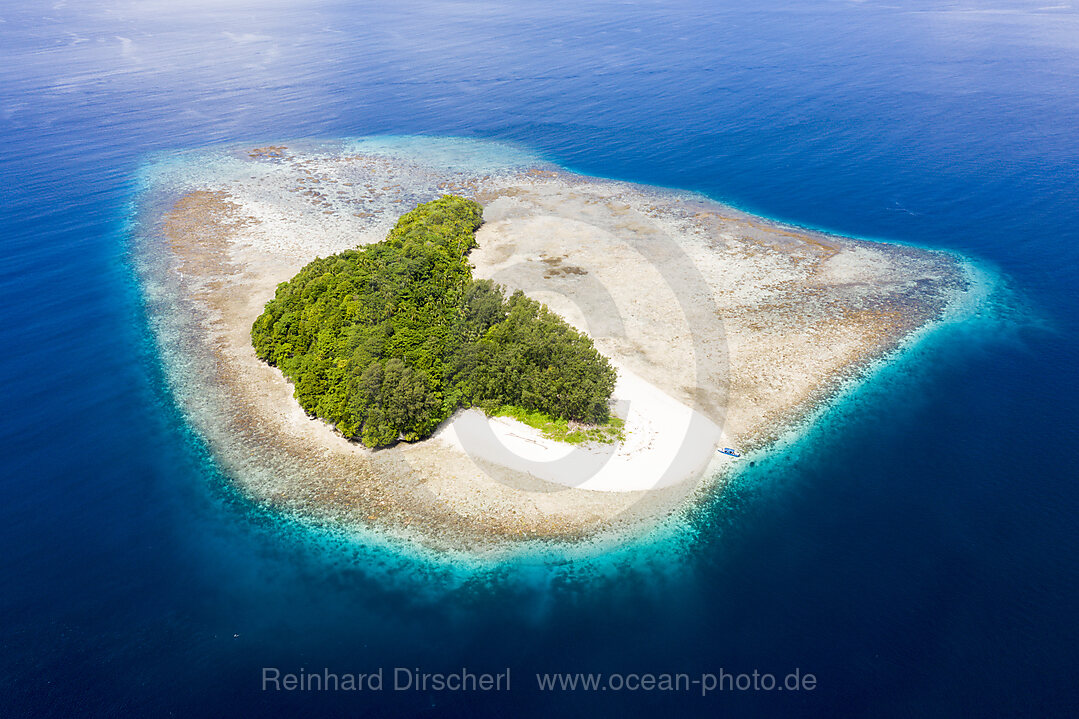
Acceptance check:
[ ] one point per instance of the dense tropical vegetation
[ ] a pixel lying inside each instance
(386, 341)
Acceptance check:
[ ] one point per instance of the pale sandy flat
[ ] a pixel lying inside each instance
(666, 443)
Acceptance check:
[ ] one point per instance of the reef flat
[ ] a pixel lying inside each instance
(726, 330)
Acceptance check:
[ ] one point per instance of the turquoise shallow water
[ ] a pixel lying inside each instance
(915, 552)
(420, 164)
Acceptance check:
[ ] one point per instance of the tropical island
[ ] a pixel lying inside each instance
(361, 346)
(387, 341)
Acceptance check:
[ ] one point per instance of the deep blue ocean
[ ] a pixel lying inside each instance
(917, 552)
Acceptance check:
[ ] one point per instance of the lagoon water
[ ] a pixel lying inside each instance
(914, 550)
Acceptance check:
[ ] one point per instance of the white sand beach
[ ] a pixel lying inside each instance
(666, 443)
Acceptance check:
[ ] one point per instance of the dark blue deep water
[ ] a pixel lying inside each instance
(918, 555)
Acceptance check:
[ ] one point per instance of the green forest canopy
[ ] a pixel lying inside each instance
(386, 341)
